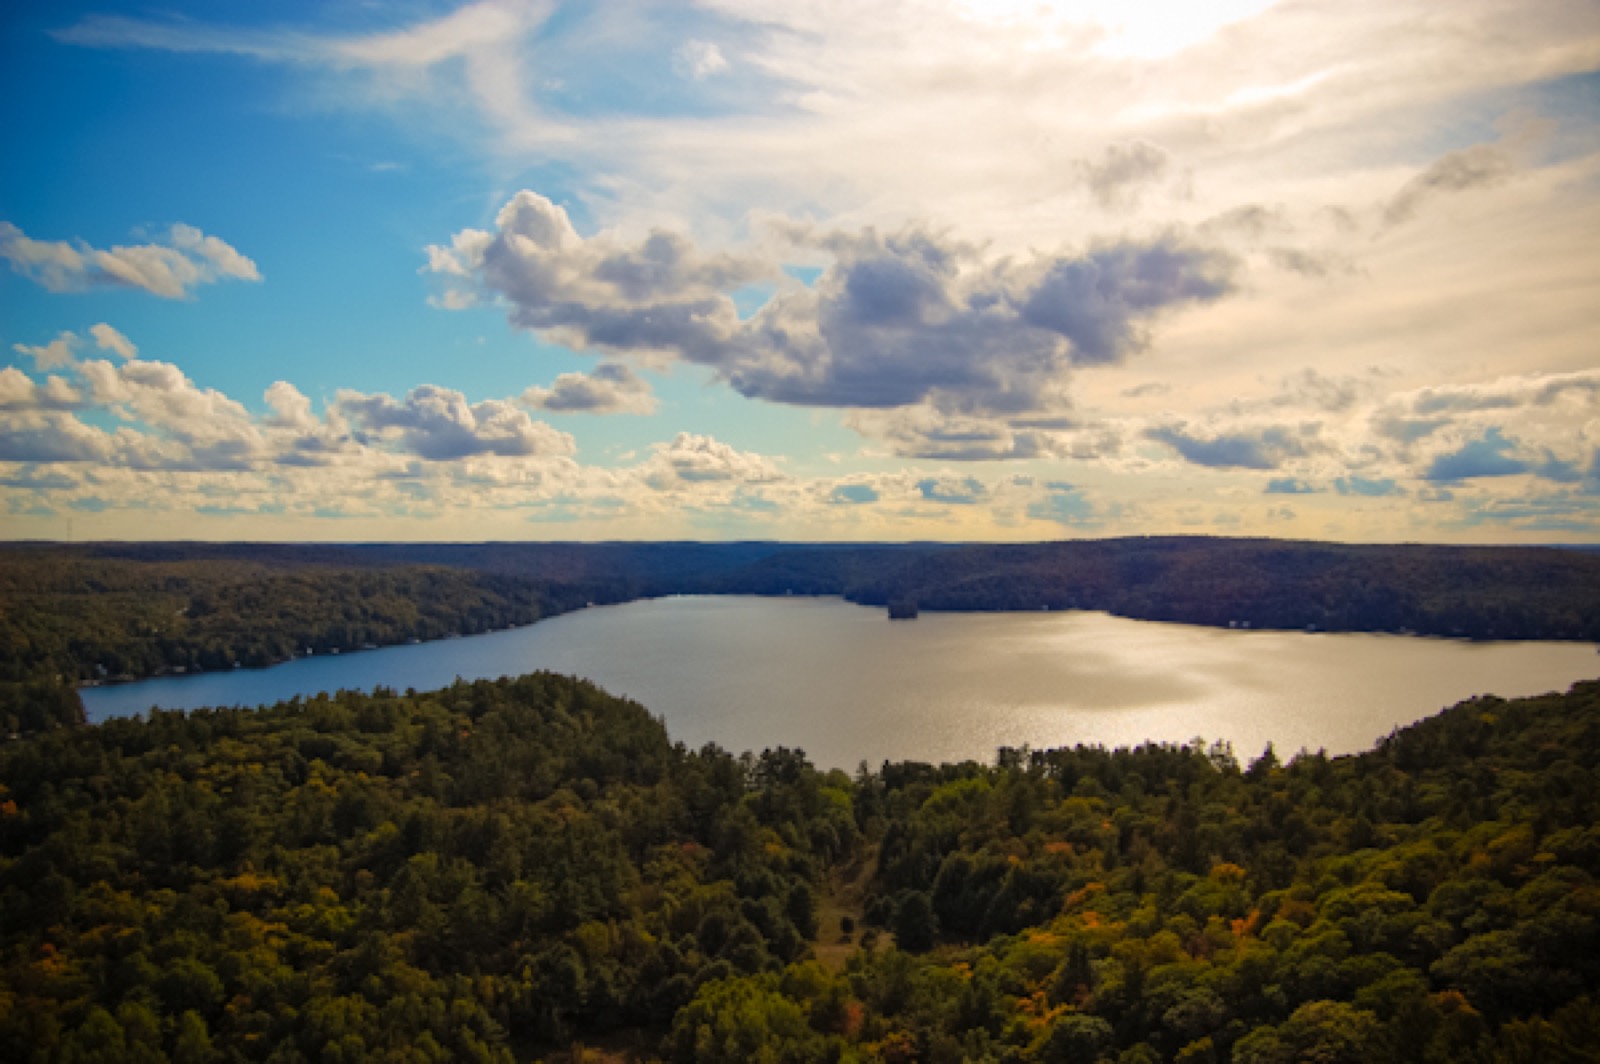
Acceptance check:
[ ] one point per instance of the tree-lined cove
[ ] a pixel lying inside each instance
(845, 685)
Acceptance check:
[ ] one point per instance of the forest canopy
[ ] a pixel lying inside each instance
(501, 870)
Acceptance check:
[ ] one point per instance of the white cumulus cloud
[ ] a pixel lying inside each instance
(172, 270)
(109, 339)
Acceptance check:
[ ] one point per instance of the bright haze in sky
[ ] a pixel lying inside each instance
(801, 270)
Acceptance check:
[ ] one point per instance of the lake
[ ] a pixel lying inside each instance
(844, 683)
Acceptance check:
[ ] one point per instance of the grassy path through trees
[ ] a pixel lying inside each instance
(842, 907)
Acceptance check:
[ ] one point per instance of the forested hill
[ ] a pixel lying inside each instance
(514, 870)
(83, 613)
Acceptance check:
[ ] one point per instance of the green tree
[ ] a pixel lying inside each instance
(193, 1043)
(915, 925)
(1319, 1032)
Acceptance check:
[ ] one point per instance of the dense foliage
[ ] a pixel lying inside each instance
(445, 876)
(85, 617)
(496, 869)
(1435, 899)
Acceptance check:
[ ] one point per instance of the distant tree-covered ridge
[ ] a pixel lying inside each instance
(502, 870)
(1472, 592)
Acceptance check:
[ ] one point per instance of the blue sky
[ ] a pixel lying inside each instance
(978, 270)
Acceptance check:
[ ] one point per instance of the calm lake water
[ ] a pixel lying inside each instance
(844, 683)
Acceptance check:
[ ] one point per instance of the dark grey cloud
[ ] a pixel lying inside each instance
(439, 424)
(1119, 177)
(1101, 301)
(611, 388)
(665, 264)
(1264, 448)
(1477, 167)
(897, 320)
(894, 290)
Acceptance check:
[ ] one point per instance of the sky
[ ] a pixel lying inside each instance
(800, 270)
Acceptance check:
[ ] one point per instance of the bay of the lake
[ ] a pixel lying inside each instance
(845, 684)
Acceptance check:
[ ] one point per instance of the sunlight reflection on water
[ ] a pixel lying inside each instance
(845, 684)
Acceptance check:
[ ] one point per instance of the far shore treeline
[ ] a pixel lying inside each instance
(89, 613)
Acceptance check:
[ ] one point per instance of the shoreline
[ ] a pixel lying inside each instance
(1241, 628)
